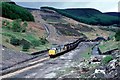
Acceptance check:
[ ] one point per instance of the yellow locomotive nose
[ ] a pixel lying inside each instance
(51, 52)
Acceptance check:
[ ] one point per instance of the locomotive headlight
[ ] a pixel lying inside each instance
(51, 52)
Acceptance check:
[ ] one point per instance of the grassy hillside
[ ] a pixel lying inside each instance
(87, 15)
(23, 36)
(13, 11)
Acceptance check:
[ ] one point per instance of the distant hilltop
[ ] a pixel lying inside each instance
(113, 13)
(89, 15)
(12, 11)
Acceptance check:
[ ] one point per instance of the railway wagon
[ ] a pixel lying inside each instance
(64, 48)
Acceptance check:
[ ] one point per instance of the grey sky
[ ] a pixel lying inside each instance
(111, 6)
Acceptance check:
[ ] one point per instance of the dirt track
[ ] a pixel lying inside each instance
(53, 36)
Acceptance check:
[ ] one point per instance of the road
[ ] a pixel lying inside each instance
(54, 68)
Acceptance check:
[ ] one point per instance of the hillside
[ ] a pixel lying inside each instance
(15, 40)
(87, 15)
(69, 27)
(113, 13)
(85, 12)
(13, 11)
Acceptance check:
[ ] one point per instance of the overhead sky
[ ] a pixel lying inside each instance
(104, 6)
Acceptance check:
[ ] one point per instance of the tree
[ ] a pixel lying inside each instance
(6, 24)
(117, 35)
(26, 47)
(16, 25)
(43, 41)
(24, 26)
(15, 41)
(36, 43)
(13, 11)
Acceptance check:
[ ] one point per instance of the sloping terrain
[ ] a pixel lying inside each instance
(57, 29)
(53, 36)
(34, 31)
(87, 15)
(113, 13)
(69, 27)
(17, 33)
(15, 12)
(11, 57)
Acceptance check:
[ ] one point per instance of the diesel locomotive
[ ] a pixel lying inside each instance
(64, 48)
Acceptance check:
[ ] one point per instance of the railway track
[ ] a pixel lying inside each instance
(28, 62)
(30, 65)
(35, 55)
(33, 63)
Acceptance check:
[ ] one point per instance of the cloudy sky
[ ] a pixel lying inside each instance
(104, 6)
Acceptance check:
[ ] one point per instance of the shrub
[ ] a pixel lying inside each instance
(16, 25)
(36, 43)
(26, 47)
(107, 59)
(24, 26)
(43, 41)
(14, 41)
(117, 35)
(97, 34)
(7, 40)
(118, 46)
(6, 24)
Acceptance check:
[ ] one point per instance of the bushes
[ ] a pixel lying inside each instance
(6, 24)
(15, 26)
(26, 44)
(24, 26)
(15, 41)
(36, 43)
(117, 35)
(107, 59)
(43, 41)
(25, 47)
(13, 11)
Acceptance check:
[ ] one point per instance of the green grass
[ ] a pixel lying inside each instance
(29, 37)
(54, 20)
(43, 47)
(107, 59)
(85, 54)
(109, 45)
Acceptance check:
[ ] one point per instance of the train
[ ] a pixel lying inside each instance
(61, 49)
